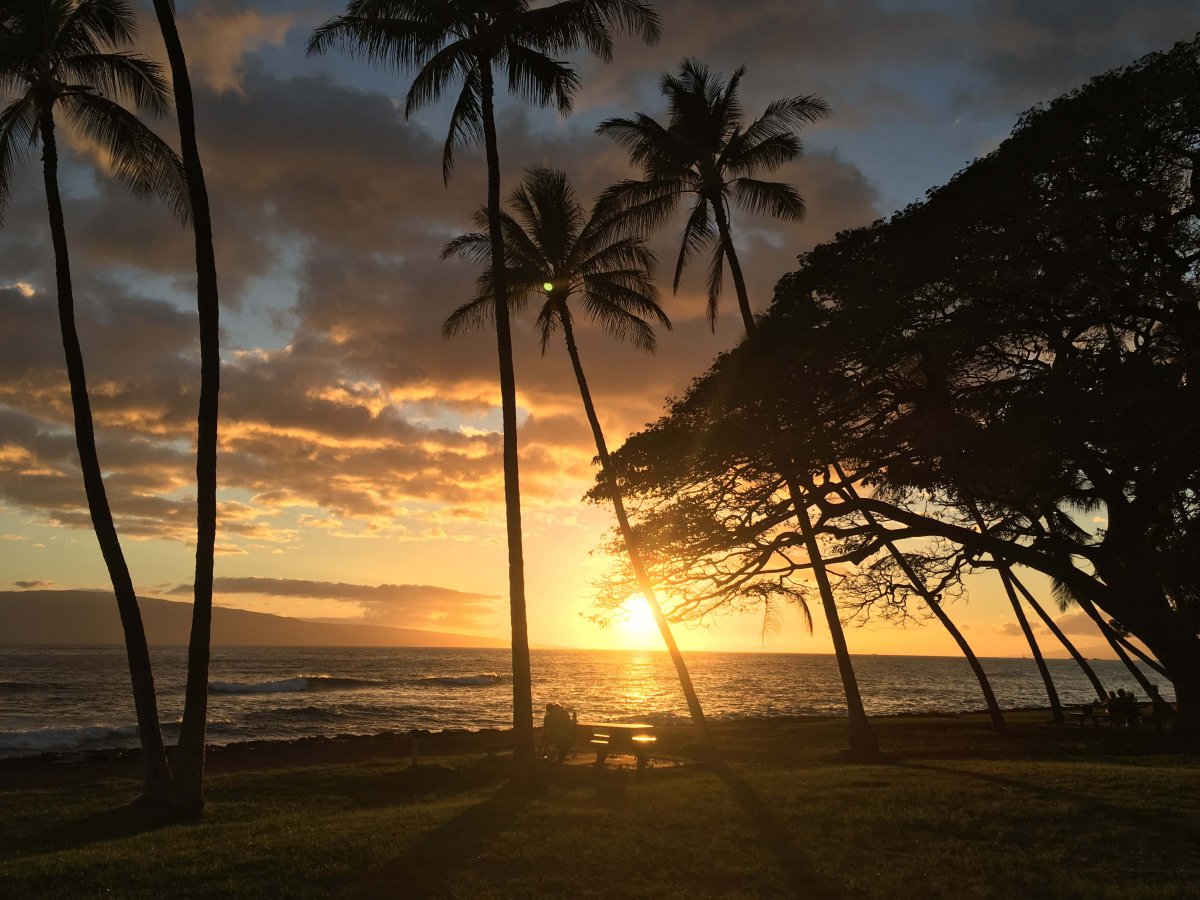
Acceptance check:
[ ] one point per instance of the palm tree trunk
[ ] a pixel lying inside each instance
(985, 685)
(735, 267)
(157, 774)
(1007, 578)
(189, 767)
(523, 745)
(1063, 639)
(631, 546)
(862, 736)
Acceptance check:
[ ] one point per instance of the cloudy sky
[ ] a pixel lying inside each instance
(360, 463)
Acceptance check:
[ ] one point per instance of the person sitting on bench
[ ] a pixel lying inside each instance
(558, 732)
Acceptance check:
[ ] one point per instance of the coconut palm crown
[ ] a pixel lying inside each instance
(708, 151)
(451, 41)
(556, 250)
(63, 56)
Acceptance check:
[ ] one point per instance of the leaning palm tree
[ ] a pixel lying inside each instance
(708, 151)
(61, 56)
(465, 43)
(557, 250)
(189, 760)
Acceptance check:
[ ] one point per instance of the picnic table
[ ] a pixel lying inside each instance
(635, 739)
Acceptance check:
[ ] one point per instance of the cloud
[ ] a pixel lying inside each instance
(402, 605)
(344, 414)
(33, 585)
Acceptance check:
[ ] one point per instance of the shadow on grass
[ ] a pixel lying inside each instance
(105, 825)
(1089, 804)
(425, 869)
(803, 880)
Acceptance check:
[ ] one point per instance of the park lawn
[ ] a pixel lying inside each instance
(954, 812)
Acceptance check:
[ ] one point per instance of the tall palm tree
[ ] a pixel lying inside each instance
(557, 250)
(189, 760)
(62, 56)
(708, 151)
(466, 42)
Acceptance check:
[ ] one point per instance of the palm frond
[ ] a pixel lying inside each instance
(697, 232)
(714, 282)
(128, 77)
(1063, 595)
(397, 43)
(472, 315)
(18, 136)
(563, 26)
(436, 74)
(138, 157)
(466, 123)
(768, 198)
(538, 79)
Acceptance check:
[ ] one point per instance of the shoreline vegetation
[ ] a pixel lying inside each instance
(952, 809)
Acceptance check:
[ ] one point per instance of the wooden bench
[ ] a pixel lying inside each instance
(1099, 714)
(1094, 714)
(636, 740)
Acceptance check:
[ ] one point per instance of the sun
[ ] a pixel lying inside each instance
(638, 628)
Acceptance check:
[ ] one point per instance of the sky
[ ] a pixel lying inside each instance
(360, 455)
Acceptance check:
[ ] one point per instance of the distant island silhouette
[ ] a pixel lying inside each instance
(90, 617)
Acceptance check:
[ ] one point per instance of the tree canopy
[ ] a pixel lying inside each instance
(1022, 343)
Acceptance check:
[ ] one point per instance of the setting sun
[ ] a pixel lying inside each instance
(637, 626)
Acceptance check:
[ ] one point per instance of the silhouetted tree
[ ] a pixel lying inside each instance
(189, 761)
(466, 43)
(557, 250)
(1026, 339)
(708, 151)
(63, 57)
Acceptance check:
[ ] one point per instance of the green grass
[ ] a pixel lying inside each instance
(955, 812)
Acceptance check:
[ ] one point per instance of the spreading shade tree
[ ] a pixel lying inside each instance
(1024, 344)
(189, 761)
(463, 45)
(557, 251)
(708, 151)
(63, 59)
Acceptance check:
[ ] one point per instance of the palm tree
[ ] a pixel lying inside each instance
(556, 249)
(189, 761)
(465, 42)
(61, 55)
(708, 151)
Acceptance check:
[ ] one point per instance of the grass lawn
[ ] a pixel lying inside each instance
(955, 812)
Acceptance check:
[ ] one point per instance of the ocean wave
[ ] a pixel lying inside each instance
(482, 679)
(292, 685)
(42, 739)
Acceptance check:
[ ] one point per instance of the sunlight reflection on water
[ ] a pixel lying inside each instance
(61, 698)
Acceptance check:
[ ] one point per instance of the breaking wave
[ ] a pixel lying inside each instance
(292, 685)
(482, 679)
(41, 739)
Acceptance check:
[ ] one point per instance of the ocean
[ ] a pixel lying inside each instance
(78, 698)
